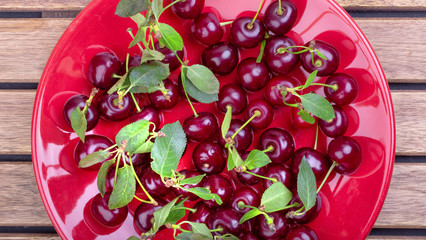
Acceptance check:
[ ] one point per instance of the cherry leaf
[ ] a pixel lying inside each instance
(169, 37)
(135, 134)
(201, 228)
(161, 215)
(256, 159)
(146, 147)
(236, 158)
(93, 158)
(128, 8)
(310, 79)
(193, 180)
(306, 185)
(229, 236)
(226, 122)
(139, 19)
(102, 174)
(306, 116)
(133, 238)
(124, 188)
(230, 163)
(139, 37)
(205, 194)
(177, 212)
(151, 55)
(250, 214)
(203, 79)
(276, 197)
(79, 123)
(317, 105)
(123, 82)
(157, 8)
(147, 76)
(192, 236)
(199, 95)
(320, 54)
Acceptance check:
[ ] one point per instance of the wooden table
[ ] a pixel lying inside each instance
(29, 30)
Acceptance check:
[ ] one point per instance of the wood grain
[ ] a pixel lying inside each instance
(400, 5)
(397, 42)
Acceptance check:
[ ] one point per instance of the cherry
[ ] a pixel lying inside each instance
(227, 220)
(282, 144)
(247, 33)
(280, 63)
(234, 96)
(298, 122)
(266, 113)
(92, 143)
(302, 232)
(347, 89)
(306, 216)
(188, 174)
(279, 230)
(246, 196)
(337, 126)
(252, 75)
(209, 158)
(220, 186)
(280, 22)
(250, 236)
(144, 215)
(201, 127)
(273, 93)
(188, 8)
(281, 173)
(169, 56)
(318, 162)
(346, 151)
(221, 58)
(324, 67)
(202, 213)
(248, 179)
(160, 101)
(101, 68)
(101, 212)
(92, 115)
(148, 113)
(134, 61)
(110, 108)
(140, 159)
(206, 29)
(243, 139)
(153, 184)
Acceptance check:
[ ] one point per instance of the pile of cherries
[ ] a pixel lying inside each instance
(209, 155)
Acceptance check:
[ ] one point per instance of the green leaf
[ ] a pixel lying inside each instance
(320, 54)
(146, 147)
(205, 194)
(169, 37)
(199, 95)
(310, 79)
(201, 228)
(139, 37)
(93, 159)
(256, 159)
(226, 122)
(177, 214)
(306, 116)
(135, 134)
(161, 215)
(203, 79)
(123, 82)
(78, 123)
(139, 19)
(133, 238)
(229, 236)
(147, 76)
(102, 174)
(128, 8)
(124, 188)
(157, 8)
(192, 236)
(151, 55)
(276, 197)
(306, 185)
(193, 180)
(168, 150)
(236, 158)
(250, 214)
(318, 106)
(230, 163)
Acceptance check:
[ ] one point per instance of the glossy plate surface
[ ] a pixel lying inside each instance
(351, 204)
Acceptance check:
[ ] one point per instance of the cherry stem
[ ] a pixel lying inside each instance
(141, 200)
(280, 9)
(260, 176)
(282, 50)
(316, 138)
(255, 115)
(136, 102)
(326, 176)
(219, 229)
(152, 201)
(183, 78)
(151, 40)
(89, 101)
(291, 206)
(225, 23)
(262, 49)
(185, 208)
(250, 26)
(168, 6)
(334, 86)
(269, 149)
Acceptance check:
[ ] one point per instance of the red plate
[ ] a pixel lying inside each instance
(351, 204)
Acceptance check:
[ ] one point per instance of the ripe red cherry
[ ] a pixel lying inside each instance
(280, 223)
(222, 58)
(107, 217)
(234, 96)
(153, 184)
(250, 236)
(273, 94)
(188, 9)
(346, 151)
(298, 122)
(243, 139)
(148, 113)
(281, 173)
(101, 68)
(227, 220)
(206, 29)
(347, 89)
(220, 186)
(188, 174)
(246, 34)
(266, 113)
(281, 141)
(209, 158)
(246, 196)
(318, 162)
(200, 128)
(337, 126)
(92, 115)
(110, 109)
(169, 56)
(144, 215)
(280, 63)
(302, 232)
(92, 143)
(252, 75)
(324, 67)
(280, 22)
(160, 101)
(306, 217)
(202, 213)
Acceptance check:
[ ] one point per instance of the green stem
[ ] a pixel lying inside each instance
(185, 208)
(269, 149)
(280, 9)
(183, 78)
(133, 37)
(168, 6)
(260, 176)
(89, 101)
(136, 102)
(262, 49)
(241, 205)
(326, 176)
(291, 206)
(255, 115)
(282, 50)
(334, 86)
(316, 138)
(141, 200)
(225, 23)
(152, 200)
(219, 229)
(250, 26)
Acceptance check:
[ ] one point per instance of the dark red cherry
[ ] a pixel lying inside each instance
(234, 96)
(318, 162)
(281, 173)
(246, 196)
(298, 122)
(200, 128)
(134, 61)
(273, 93)
(243, 139)
(144, 215)
(306, 217)
(209, 158)
(153, 184)
(107, 217)
(188, 174)
(220, 186)
(324, 67)
(160, 101)
(252, 75)
(247, 34)
(222, 58)
(148, 113)
(202, 213)
(227, 220)
(188, 8)
(337, 126)
(281, 141)
(250, 236)
(302, 232)
(139, 159)
(92, 143)
(101, 68)
(347, 89)
(169, 56)
(280, 22)
(206, 29)
(266, 113)
(92, 115)
(346, 151)
(279, 230)
(110, 109)
(281, 63)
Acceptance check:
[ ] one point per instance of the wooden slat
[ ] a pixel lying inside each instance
(28, 236)
(400, 5)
